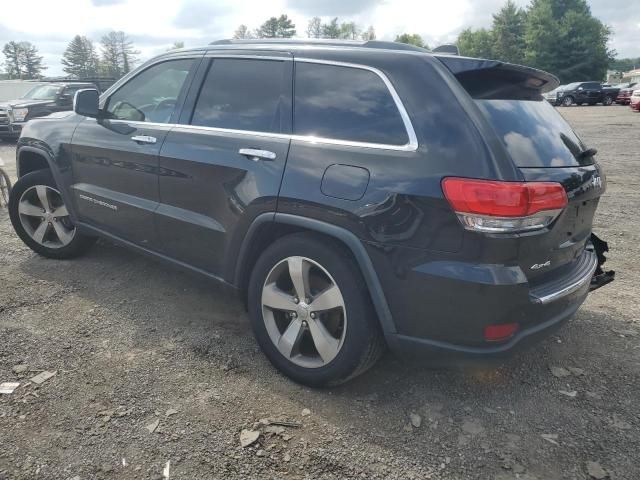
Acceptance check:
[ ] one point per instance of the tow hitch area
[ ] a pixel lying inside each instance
(600, 277)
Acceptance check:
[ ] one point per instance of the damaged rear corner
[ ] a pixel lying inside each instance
(600, 277)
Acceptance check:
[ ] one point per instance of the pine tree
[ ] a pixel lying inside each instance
(80, 59)
(508, 33)
(268, 29)
(13, 66)
(31, 62)
(331, 29)
(286, 27)
(277, 27)
(562, 37)
(118, 54)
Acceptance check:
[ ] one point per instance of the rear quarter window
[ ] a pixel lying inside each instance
(534, 133)
(345, 103)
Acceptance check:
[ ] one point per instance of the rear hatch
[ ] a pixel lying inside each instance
(545, 149)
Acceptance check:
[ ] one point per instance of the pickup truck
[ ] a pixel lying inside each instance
(585, 92)
(40, 101)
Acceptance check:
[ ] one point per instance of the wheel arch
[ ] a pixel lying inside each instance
(268, 227)
(31, 159)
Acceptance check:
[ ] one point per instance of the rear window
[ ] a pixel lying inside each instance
(346, 103)
(534, 133)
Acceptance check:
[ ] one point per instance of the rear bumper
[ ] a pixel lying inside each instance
(441, 309)
(445, 353)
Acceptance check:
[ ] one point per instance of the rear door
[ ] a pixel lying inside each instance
(222, 165)
(115, 159)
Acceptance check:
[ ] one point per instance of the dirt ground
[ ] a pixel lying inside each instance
(137, 345)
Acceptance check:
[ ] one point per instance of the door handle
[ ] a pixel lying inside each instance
(257, 154)
(144, 139)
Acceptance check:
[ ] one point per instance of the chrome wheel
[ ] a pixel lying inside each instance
(45, 218)
(304, 312)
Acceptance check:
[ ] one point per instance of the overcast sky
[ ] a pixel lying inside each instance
(155, 25)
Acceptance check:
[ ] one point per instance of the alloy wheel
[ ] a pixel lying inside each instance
(45, 218)
(304, 312)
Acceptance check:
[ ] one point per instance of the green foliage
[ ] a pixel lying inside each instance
(331, 29)
(22, 60)
(508, 33)
(80, 59)
(476, 43)
(118, 54)
(562, 37)
(411, 39)
(177, 45)
(559, 36)
(349, 31)
(277, 27)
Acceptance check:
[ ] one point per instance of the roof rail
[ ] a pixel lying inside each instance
(322, 42)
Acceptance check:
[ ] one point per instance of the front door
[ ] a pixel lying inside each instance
(223, 164)
(115, 158)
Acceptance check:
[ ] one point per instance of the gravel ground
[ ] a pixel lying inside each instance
(157, 373)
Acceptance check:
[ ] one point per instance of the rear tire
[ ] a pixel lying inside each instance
(41, 220)
(5, 188)
(355, 335)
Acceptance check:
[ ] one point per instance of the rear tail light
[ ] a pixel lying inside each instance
(504, 207)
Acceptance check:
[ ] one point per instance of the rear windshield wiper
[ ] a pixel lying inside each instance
(588, 153)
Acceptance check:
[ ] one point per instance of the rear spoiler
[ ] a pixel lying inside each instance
(491, 79)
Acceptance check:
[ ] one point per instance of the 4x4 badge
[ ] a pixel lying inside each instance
(538, 266)
(596, 181)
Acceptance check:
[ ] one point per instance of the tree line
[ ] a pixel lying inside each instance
(115, 57)
(558, 36)
(283, 27)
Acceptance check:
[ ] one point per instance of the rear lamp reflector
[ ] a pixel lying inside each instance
(504, 207)
(500, 333)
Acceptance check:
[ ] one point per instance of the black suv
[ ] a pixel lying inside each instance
(585, 92)
(41, 100)
(357, 195)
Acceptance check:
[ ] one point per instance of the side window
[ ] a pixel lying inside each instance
(150, 96)
(242, 94)
(345, 103)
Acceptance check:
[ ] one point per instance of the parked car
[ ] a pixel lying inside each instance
(635, 100)
(316, 183)
(41, 100)
(590, 93)
(552, 95)
(624, 95)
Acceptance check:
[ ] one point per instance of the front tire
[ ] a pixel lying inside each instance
(607, 101)
(567, 101)
(311, 312)
(41, 219)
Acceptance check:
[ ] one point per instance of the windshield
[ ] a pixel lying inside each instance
(534, 133)
(42, 92)
(571, 86)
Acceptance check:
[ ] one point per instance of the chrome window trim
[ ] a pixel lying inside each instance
(411, 146)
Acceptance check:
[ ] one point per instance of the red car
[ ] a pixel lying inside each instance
(635, 100)
(624, 95)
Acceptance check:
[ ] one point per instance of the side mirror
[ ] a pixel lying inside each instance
(580, 89)
(86, 102)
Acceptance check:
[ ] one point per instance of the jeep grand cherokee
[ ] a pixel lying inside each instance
(357, 194)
